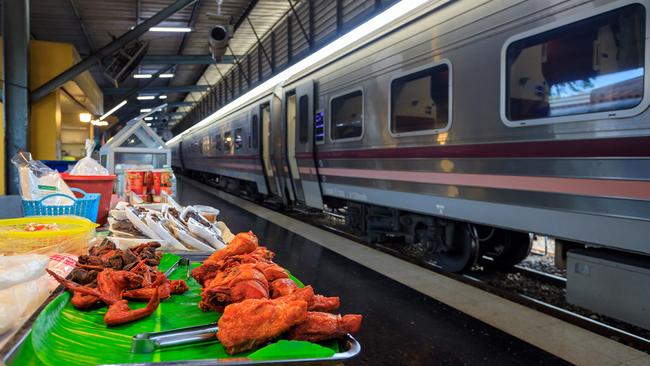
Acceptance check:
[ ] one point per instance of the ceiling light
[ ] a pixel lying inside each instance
(146, 97)
(85, 117)
(170, 29)
(99, 123)
(122, 103)
(149, 124)
(163, 96)
(145, 110)
(354, 37)
(148, 118)
(166, 76)
(142, 76)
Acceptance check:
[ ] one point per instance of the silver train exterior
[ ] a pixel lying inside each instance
(471, 111)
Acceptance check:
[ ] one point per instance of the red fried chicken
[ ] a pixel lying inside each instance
(241, 249)
(286, 286)
(242, 243)
(246, 281)
(319, 327)
(253, 322)
(110, 285)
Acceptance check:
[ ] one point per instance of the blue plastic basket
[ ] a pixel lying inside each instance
(85, 206)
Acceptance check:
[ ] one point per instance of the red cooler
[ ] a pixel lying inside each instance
(102, 184)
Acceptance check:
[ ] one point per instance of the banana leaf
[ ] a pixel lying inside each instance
(63, 335)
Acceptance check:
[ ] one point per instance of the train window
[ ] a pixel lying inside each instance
(239, 139)
(255, 128)
(217, 142)
(346, 121)
(227, 141)
(303, 122)
(589, 66)
(420, 101)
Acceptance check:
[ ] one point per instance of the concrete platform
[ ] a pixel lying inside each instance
(413, 316)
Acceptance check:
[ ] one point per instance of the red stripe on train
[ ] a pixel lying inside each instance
(612, 147)
(579, 186)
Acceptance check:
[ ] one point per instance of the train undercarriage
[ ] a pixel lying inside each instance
(451, 245)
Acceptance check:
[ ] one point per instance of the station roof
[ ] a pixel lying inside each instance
(91, 24)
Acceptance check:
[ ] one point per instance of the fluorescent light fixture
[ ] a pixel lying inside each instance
(145, 110)
(105, 115)
(142, 76)
(146, 97)
(149, 124)
(99, 123)
(148, 118)
(166, 76)
(85, 117)
(353, 37)
(170, 29)
(163, 96)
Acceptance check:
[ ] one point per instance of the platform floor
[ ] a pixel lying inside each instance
(401, 326)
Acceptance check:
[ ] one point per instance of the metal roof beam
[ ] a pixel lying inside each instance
(185, 59)
(107, 50)
(159, 89)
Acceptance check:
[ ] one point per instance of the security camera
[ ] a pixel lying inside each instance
(218, 40)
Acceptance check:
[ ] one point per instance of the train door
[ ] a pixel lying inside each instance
(262, 121)
(304, 172)
(290, 115)
(278, 148)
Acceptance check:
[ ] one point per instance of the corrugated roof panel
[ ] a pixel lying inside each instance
(324, 19)
(355, 8)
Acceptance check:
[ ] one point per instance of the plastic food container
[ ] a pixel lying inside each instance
(72, 236)
(210, 213)
(102, 184)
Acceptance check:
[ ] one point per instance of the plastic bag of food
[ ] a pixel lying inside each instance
(37, 180)
(23, 287)
(157, 223)
(88, 165)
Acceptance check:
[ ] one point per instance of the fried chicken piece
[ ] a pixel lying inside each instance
(242, 243)
(272, 271)
(83, 301)
(282, 287)
(286, 287)
(110, 285)
(209, 269)
(120, 313)
(253, 322)
(319, 326)
(236, 284)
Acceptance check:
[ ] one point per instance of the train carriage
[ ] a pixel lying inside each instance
(462, 128)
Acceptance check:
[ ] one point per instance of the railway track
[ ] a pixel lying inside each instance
(484, 279)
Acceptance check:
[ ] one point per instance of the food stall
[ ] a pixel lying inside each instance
(167, 284)
(135, 145)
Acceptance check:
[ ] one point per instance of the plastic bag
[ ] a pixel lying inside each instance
(37, 180)
(23, 287)
(88, 165)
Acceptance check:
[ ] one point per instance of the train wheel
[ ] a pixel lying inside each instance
(461, 252)
(506, 248)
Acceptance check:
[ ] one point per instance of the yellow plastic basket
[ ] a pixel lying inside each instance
(72, 237)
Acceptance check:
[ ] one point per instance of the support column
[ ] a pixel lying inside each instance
(15, 30)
